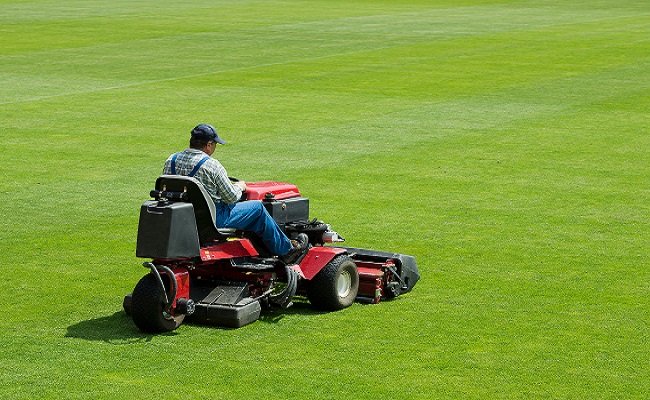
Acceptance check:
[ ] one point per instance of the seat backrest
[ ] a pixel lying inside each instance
(204, 209)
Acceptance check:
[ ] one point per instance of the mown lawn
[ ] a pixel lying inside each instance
(504, 144)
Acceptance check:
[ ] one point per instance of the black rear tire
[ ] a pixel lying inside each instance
(147, 305)
(335, 287)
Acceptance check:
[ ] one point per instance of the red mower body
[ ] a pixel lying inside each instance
(275, 190)
(224, 277)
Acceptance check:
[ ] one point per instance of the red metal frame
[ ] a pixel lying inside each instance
(229, 249)
(215, 264)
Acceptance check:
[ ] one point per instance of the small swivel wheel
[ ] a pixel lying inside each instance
(148, 307)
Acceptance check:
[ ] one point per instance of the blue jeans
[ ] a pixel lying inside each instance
(252, 216)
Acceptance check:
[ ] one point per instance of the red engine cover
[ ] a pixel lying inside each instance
(279, 190)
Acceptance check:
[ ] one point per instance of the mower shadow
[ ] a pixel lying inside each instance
(114, 329)
(119, 329)
(275, 315)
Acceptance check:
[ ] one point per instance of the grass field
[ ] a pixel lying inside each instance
(504, 144)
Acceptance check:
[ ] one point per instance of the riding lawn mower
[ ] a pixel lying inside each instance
(225, 277)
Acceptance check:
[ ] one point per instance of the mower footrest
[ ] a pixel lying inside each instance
(227, 305)
(230, 316)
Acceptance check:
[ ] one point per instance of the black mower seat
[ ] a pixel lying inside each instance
(204, 208)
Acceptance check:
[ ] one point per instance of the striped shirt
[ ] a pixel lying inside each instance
(211, 174)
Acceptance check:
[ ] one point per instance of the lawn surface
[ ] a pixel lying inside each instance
(504, 144)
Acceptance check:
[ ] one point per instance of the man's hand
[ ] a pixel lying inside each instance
(241, 184)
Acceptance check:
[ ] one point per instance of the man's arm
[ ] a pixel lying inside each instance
(229, 192)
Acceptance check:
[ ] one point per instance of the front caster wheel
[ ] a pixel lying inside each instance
(147, 305)
(335, 287)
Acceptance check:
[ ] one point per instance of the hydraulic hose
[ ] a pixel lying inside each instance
(172, 279)
(283, 299)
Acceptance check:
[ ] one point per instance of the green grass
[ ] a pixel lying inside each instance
(504, 144)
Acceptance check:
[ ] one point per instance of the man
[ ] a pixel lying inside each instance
(196, 161)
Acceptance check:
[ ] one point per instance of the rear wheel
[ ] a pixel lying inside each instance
(335, 287)
(147, 305)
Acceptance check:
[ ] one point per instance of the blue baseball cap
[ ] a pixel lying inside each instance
(208, 132)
